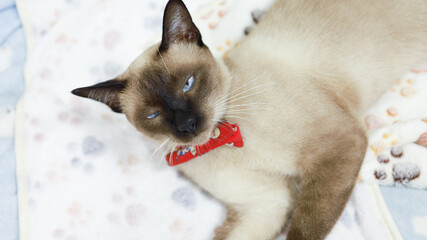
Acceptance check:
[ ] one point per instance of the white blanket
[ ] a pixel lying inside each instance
(397, 151)
(84, 172)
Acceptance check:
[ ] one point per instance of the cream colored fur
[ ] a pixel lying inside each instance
(309, 71)
(308, 50)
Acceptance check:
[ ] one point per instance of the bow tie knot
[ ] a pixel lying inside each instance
(225, 134)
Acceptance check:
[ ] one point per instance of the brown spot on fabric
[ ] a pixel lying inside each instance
(58, 233)
(422, 140)
(405, 172)
(377, 147)
(396, 152)
(62, 116)
(424, 120)
(407, 91)
(176, 226)
(221, 13)
(61, 38)
(75, 209)
(207, 15)
(373, 122)
(392, 112)
(135, 214)
(382, 158)
(38, 137)
(380, 174)
(213, 25)
(394, 142)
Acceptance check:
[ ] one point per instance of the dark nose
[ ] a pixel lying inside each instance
(186, 123)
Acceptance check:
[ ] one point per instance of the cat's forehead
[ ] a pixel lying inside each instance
(178, 58)
(157, 76)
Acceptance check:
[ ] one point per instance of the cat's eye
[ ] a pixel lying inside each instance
(154, 115)
(189, 84)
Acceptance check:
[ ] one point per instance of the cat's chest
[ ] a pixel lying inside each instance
(257, 154)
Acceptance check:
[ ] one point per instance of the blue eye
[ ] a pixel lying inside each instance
(189, 84)
(154, 115)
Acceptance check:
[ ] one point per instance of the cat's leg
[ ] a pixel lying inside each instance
(222, 232)
(257, 202)
(327, 183)
(257, 207)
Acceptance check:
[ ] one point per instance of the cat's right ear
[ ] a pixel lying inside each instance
(178, 26)
(106, 92)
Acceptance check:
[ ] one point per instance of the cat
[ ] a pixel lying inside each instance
(297, 86)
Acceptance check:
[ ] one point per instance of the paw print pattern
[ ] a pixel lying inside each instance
(422, 140)
(135, 214)
(215, 14)
(126, 209)
(383, 158)
(405, 87)
(374, 122)
(397, 153)
(92, 146)
(397, 166)
(380, 174)
(402, 173)
(405, 172)
(420, 68)
(392, 112)
(185, 197)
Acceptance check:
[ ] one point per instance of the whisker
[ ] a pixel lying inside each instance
(159, 147)
(172, 150)
(244, 85)
(167, 150)
(233, 116)
(161, 58)
(233, 98)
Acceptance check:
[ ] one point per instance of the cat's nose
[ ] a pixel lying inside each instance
(187, 124)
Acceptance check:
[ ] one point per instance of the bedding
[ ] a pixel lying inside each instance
(12, 56)
(85, 173)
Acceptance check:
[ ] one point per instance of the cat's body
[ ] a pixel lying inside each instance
(328, 61)
(297, 86)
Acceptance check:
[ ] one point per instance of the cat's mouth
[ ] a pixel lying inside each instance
(206, 135)
(196, 139)
(200, 138)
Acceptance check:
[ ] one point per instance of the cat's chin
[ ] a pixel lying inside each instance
(200, 139)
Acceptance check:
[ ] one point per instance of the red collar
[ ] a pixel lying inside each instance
(225, 133)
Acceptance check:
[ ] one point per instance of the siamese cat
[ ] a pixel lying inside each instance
(297, 86)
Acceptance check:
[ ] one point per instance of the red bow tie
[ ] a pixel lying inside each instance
(225, 133)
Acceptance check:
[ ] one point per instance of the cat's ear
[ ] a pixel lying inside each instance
(106, 92)
(178, 26)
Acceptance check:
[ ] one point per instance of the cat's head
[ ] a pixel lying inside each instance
(172, 89)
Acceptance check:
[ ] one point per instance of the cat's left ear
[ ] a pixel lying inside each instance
(106, 92)
(178, 26)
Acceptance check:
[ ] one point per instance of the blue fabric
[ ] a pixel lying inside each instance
(406, 204)
(11, 87)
